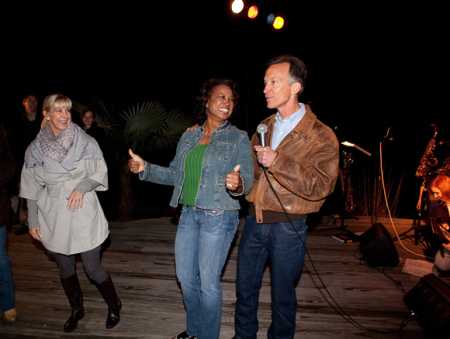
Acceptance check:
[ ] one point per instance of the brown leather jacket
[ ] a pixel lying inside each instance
(304, 172)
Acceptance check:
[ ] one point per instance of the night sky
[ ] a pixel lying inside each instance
(371, 66)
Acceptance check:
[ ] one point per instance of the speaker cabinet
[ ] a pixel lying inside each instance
(430, 301)
(377, 247)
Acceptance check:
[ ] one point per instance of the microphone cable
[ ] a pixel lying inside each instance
(322, 288)
(388, 209)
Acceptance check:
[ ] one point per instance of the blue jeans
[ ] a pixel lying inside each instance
(284, 248)
(201, 247)
(7, 295)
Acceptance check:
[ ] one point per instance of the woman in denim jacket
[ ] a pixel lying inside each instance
(212, 167)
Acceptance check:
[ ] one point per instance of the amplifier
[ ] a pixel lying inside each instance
(430, 302)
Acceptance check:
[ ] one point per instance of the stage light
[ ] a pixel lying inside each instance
(237, 6)
(253, 12)
(278, 22)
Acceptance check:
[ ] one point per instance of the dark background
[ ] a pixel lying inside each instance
(371, 66)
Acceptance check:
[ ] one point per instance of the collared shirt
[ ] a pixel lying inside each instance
(282, 127)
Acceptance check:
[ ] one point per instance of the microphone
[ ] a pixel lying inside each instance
(388, 135)
(262, 130)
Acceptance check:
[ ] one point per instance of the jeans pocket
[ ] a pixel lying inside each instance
(183, 220)
(296, 227)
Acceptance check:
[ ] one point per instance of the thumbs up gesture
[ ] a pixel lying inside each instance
(233, 180)
(136, 164)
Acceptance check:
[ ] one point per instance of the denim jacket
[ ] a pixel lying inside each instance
(228, 147)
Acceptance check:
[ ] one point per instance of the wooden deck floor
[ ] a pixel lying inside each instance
(141, 262)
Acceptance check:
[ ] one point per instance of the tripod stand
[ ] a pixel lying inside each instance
(347, 189)
(427, 162)
(420, 227)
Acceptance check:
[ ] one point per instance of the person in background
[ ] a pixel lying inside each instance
(440, 220)
(27, 125)
(212, 167)
(7, 170)
(294, 174)
(90, 126)
(24, 131)
(63, 169)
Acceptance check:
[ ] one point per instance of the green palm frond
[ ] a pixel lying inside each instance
(150, 127)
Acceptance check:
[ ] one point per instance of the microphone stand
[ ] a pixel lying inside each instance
(345, 182)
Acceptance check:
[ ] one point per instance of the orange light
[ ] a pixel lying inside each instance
(278, 22)
(253, 12)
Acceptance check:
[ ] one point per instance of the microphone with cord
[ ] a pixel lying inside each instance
(262, 130)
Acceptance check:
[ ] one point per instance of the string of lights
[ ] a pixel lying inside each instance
(253, 10)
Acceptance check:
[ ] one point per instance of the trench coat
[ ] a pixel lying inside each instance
(48, 182)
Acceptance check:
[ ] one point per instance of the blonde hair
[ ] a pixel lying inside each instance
(56, 100)
(442, 182)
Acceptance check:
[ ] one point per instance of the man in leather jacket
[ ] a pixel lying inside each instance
(294, 174)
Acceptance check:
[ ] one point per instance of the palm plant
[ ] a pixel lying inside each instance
(150, 129)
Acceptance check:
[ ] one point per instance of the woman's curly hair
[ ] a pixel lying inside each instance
(205, 94)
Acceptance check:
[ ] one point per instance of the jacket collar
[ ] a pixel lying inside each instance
(220, 128)
(307, 122)
(302, 128)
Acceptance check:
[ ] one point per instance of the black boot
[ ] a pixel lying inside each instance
(72, 288)
(108, 293)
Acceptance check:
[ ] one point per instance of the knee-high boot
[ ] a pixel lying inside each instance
(108, 293)
(73, 292)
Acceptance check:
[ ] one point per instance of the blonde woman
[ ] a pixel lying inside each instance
(63, 169)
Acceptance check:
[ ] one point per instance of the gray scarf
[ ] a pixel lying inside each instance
(53, 146)
(69, 147)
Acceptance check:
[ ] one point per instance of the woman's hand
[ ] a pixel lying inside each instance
(35, 233)
(136, 164)
(75, 200)
(233, 179)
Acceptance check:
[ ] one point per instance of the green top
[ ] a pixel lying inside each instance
(192, 174)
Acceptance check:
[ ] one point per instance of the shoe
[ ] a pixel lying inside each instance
(109, 294)
(184, 335)
(72, 288)
(10, 316)
(71, 324)
(113, 316)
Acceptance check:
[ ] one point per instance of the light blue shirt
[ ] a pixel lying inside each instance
(283, 127)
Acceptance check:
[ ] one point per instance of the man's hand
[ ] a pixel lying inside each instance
(233, 179)
(35, 233)
(265, 155)
(75, 200)
(136, 164)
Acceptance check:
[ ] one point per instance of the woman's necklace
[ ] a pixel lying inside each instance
(206, 132)
(206, 136)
